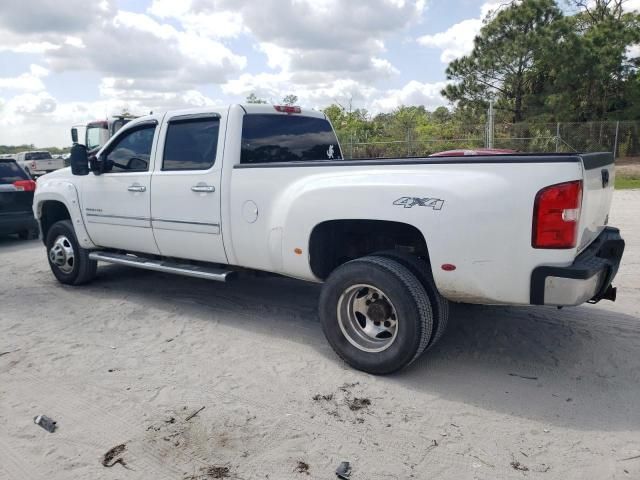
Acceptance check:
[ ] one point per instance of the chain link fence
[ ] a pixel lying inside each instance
(621, 138)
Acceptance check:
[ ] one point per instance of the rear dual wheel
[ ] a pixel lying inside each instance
(377, 315)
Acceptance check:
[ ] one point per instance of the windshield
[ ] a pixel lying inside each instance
(37, 156)
(93, 137)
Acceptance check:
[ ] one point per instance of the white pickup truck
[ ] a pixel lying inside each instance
(38, 163)
(210, 191)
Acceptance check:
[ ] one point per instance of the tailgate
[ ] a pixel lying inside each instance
(599, 179)
(48, 164)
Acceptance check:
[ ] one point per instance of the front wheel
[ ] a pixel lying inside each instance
(375, 314)
(68, 261)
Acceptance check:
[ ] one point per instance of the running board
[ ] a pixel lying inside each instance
(208, 273)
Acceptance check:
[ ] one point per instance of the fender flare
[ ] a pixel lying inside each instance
(66, 193)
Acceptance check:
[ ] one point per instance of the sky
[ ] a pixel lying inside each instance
(66, 62)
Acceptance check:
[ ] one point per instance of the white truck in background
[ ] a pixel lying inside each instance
(98, 132)
(209, 191)
(38, 162)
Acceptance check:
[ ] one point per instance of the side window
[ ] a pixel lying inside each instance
(132, 151)
(268, 138)
(191, 144)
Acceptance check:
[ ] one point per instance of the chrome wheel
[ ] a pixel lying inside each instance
(62, 255)
(367, 318)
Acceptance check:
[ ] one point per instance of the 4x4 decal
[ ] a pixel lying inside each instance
(408, 202)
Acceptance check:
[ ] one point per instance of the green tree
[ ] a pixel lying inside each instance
(290, 99)
(593, 77)
(502, 64)
(252, 98)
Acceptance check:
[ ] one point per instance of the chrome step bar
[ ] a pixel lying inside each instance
(208, 273)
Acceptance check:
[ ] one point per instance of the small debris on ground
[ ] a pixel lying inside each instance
(8, 352)
(114, 456)
(45, 422)
(518, 466)
(213, 471)
(171, 420)
(357, 403)
(344, 470)
(327, 398)
(302, 467)
(193, 414)
(526, 377)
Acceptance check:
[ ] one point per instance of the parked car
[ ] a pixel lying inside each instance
(16, 199)
(38, 163)
(208, 191)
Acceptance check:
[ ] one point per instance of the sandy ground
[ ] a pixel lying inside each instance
(508, 393)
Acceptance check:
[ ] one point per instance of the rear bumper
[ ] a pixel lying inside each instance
(17, 222)
(587, 279)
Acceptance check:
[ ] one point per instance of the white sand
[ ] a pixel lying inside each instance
(253, 354)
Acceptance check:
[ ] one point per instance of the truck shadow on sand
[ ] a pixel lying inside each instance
(559, 367)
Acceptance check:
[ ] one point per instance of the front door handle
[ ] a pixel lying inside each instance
(137, 188)
(203, 189)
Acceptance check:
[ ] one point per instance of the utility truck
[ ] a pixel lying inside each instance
(211, 191)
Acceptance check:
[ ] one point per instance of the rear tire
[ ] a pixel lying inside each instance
(68, 261)
(422, 270)
(375, 314)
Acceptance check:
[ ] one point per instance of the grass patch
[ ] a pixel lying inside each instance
(625, 182)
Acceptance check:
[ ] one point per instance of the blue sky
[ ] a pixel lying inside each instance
(64, 63)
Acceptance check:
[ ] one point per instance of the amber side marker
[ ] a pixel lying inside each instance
(298, 251)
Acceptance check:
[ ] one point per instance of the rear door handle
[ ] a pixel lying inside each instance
(137, 188)
(203, 189)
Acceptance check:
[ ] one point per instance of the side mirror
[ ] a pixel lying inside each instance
(74, 135)
(78, 160)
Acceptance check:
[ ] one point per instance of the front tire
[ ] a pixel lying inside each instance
(375, 314)
(69, 262)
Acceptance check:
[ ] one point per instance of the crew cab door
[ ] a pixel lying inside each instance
(116, 204)
(185, 188)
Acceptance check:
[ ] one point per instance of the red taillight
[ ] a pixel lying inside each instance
(556, 214)
(287, 109)
(25, 185)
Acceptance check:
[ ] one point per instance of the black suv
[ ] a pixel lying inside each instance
(16, 198)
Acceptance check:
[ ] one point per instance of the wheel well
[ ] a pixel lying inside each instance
(335, 242)
(52, 212)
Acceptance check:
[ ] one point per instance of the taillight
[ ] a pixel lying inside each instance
(556, 214)
(25, 185)
(287, 109)
(33, 165)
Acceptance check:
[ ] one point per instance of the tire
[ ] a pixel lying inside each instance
(76, 272)
(31, 234)
(422, 270)
(401, 308)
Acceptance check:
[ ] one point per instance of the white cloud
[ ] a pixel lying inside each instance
(454, 42)
(457, 40)
(30, 81)
(413, 93)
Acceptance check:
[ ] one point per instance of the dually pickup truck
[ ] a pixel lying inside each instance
(211, 191)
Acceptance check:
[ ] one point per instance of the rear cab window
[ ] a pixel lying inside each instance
(37, 156)
(11, 172)
(191, 143)
(276, 138)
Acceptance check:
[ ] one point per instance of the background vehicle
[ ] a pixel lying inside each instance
(98, 132)
(16, 199)
(38, 162)
(200, 192)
